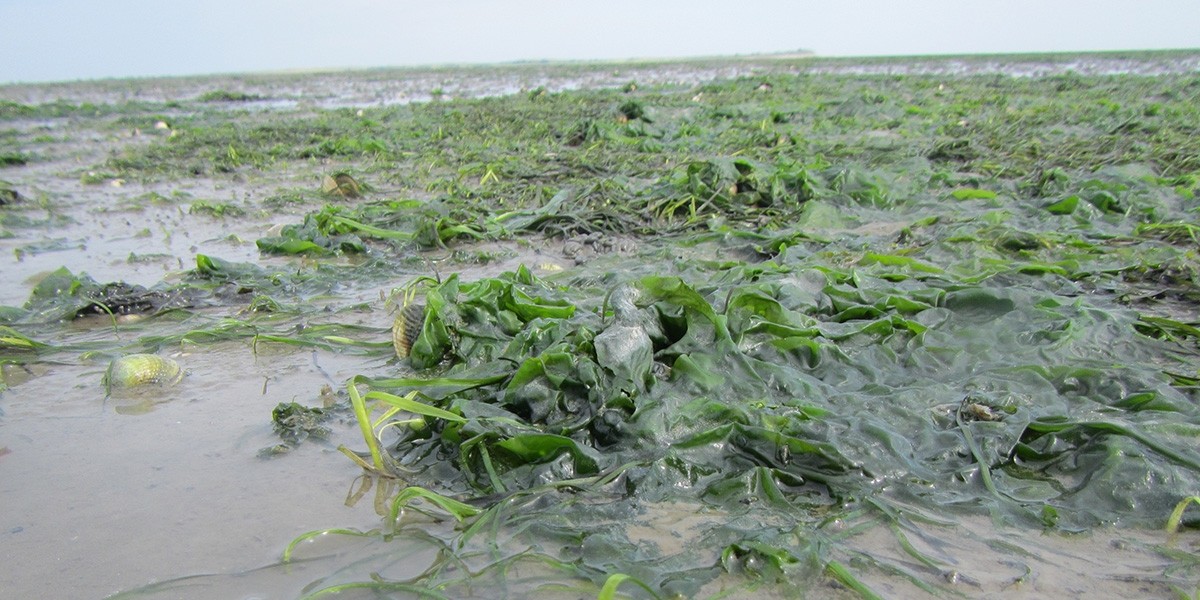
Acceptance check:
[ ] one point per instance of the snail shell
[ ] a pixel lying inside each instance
(407, 327)
(140, 369)
(341, 184)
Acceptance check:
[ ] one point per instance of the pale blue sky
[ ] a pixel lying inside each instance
(49, 40)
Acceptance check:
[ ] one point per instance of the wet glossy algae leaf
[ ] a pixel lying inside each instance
(225, 279)
(213, 281)
(429, 225)
(310, 237)
(786, 394)
(14, 344)
(62, 295)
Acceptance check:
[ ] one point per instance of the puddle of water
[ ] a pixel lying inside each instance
(979, 559)
(973, 557)
(97, 501)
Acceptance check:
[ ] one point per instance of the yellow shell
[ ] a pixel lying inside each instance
(341, 184)
(407, 327)
(141, 369)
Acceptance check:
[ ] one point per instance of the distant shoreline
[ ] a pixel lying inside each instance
(808, 58)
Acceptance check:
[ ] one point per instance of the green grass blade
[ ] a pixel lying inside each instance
(304, 537)
(839, 572)
(363, 416)
(409, 404)
(458, 510)
(1177, 514)
(614, 581)
(378, 586)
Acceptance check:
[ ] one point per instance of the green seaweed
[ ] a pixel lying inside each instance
(738, 397)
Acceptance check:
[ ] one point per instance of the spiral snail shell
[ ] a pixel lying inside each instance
(407, 327)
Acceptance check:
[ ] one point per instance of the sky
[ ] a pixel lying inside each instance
(65, 40)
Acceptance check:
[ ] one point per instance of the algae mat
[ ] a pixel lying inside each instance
(714, 329)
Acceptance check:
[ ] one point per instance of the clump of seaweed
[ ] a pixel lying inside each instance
(736, 398)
